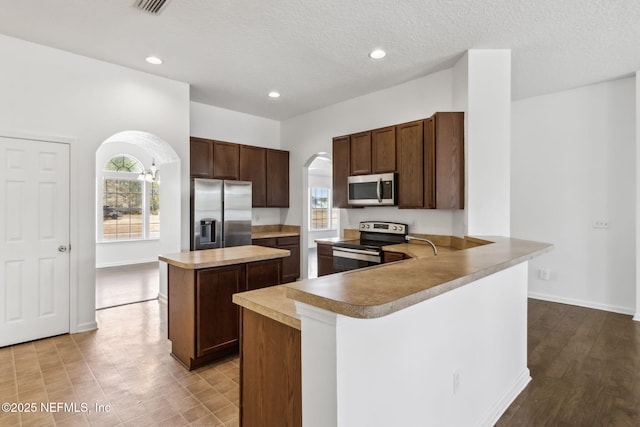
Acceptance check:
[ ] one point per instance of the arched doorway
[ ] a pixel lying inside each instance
(132, 201)
(320, 220)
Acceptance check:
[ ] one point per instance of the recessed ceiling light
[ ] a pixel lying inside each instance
(274, 94)
(377, 54)
(153, 60)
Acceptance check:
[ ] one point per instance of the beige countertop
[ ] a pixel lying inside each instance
(195, 260)
(271, 302)
(274, 230)
(387, 288)
(272, 234)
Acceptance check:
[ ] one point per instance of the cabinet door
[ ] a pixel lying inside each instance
(383, 150)
(253, 167)
(361, 153)
(340, 162)
(261, 274)
(325, 259)
(290, 264)
(449, 161)
(217, 317)
(410, 165)
(226, 160)
(277, 178)
(429, 148)
(201, 158)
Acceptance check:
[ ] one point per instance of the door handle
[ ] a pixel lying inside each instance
(62, 248)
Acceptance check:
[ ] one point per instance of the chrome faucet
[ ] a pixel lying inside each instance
(435, 250)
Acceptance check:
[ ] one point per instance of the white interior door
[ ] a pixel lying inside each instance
(34, 240)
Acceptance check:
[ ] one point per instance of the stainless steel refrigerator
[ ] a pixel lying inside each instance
(220, 213)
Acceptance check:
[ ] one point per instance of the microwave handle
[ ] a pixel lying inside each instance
(379, 190)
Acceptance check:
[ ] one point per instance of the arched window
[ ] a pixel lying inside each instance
(130, 201)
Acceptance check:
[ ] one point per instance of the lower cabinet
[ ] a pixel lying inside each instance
(325, 259)
(392, 256)
(204, 323)
(290, 264)
(270, 373)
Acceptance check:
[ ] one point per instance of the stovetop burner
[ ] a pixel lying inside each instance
(375, 234)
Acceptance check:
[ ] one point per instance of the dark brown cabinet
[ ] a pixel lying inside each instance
(428, 156)
(267, 169)
(290, 264)
(277, 178)
(253, 168)
(340, 165)
(201, 158)
(216, 315)
(410, 155)
(383, 150)
(449, 160)
(392, 256)
(360, 153)
(203, 320)
(325, 259)
(226, 160)
(270, 373)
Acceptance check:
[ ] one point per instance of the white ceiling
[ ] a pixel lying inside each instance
(233, 52)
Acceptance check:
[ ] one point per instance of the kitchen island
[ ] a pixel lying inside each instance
(203, 321)
(425, 341)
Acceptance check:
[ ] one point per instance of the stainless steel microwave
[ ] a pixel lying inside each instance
(372, 190)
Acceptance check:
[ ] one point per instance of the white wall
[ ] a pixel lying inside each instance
(207, 121)
(313, 132)
(398, 370)
(487, 141)
(49, 92)
(573, 163)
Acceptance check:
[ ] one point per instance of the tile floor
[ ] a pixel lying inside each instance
(126, 284)
(124, 366)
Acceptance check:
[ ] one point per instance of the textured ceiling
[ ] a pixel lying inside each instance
(232, 52)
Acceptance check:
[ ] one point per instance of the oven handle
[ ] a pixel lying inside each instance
(354, 251)
(379, 190)
(356, 254)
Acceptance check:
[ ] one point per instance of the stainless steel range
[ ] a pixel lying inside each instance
(367, 251)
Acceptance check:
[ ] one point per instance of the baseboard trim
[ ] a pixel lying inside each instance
(163, 298)
(123, 263)
(85, 327)
(499, 408)
(582, 303)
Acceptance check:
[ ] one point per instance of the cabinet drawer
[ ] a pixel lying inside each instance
(291, 240)
(269, 243)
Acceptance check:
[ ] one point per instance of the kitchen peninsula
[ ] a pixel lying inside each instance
(425, 341)
(203, 322)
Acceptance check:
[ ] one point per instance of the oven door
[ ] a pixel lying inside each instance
(345, 259)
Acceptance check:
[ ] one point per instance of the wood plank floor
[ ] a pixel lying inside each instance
(585, 366)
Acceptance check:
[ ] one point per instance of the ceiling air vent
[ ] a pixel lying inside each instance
(151, 6)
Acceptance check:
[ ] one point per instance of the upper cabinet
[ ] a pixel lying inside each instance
(360, 153)
(449, 161)
(428, 156)
(201, 158)
(277, 178)
(383, 150)
(341, 167)
(226, 160)
(253, 167)
(266, 169)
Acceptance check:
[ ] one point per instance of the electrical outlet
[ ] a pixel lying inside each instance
(544, 273)
(601, 223)
(456, 382)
